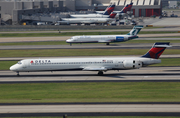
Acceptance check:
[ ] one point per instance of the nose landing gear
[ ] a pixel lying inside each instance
(17, 73)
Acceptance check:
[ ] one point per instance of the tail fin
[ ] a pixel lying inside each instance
(136, 29)
(127, 8)
(109, 9)
(112, 15)
(157, 49)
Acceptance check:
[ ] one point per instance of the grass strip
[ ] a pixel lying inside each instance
(78, 33)
(64, 43)
(164, 62)
(6, 64)
(90, 92)
(78, 52)
(168, 62)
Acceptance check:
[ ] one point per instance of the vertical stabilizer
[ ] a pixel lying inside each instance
(112, 15)
(127, 8)
(157, 49)
(109, 10)
(135, 30)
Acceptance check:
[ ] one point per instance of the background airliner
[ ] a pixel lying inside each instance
(101, 65)
(104, 14)
(87, 20)
(105, 38)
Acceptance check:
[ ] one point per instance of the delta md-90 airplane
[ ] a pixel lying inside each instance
(101, 64)
(106, 38)
(87, 20)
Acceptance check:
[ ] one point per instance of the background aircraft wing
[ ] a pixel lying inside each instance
(87, 22)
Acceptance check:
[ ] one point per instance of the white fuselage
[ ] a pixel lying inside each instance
(89, 64)
(99, 38)
(89, 16)
(84, 20)
(118, 13)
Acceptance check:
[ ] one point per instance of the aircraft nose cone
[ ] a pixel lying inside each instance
(68, 40)
(13, 68)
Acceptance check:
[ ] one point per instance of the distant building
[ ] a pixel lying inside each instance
(172, 4)
(16, 11)
(165, 3)
(12, 11)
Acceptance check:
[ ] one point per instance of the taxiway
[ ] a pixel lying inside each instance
(103, 108)
(142, 74)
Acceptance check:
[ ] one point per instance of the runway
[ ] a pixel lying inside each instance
(153, 74)
(147, 74)
(79, 46)
(86, 46)
(91, 110)
(63, 38)
(165, 28)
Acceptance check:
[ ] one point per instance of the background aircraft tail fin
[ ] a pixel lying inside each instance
(157, 49)
(135, 30)
(112, 15)
(109, 9)
(127, 8)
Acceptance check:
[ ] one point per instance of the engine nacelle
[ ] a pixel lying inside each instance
(130, 64)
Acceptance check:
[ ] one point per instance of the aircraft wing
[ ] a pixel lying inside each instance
(102, 41)
(105, 41)
(96, 68)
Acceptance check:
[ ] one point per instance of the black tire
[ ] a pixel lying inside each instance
(100, 73)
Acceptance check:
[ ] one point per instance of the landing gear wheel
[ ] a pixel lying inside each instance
(100, 73)
(107, 43)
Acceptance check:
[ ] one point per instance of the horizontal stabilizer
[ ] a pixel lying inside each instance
(95, 68)
(159, 44)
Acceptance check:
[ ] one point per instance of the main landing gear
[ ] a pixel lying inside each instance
(100, 73)
(107, 43)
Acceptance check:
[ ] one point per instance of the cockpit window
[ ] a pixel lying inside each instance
(19, 62)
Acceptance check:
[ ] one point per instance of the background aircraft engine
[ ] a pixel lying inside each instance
(132, 64)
